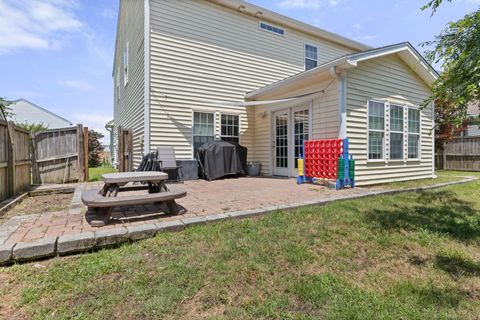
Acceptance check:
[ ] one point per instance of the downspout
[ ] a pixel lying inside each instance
(342, 97)
(146, 74)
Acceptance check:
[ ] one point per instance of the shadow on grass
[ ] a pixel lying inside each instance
(439, 211)
(457, 266)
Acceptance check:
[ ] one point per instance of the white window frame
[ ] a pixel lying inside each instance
(271, 31)
(239, 125)
(390, 131)
(384, 131)
(419, 134)
(125, 64)
(387, 131)
(193, 126)
(117, 84)
(305, 55)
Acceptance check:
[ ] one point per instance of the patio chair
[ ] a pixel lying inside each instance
(167, 161)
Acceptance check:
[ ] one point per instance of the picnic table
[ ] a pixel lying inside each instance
(107, 198)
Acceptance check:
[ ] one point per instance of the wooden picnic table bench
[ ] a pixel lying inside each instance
(107, 198)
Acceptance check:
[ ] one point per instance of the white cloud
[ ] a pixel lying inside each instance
(36, 24)
(78, 85)
(308, 4)
(95, 121)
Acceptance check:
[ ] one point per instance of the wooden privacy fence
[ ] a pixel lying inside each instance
(15, 164)
(125, 149)
(461, 153)
(60, 155)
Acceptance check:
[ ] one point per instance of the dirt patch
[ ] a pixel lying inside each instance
(39, 205)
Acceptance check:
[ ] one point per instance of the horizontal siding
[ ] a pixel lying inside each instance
(129, 110)
(325, 119)
(386, 78)
(202, 52)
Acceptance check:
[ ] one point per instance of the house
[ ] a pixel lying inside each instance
(472, 129)
(188, 72)
(23, 111)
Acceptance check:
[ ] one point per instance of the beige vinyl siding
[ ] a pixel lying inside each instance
(382, 78)
(202, 52)
(129, 111)
(325, 119)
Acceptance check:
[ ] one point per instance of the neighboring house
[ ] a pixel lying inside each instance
(472, 130)
(23, 111)
(188, 72)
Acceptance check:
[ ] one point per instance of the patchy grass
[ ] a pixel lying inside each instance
(404, 256)
(39, 205)
(442, 177)
(95, 174)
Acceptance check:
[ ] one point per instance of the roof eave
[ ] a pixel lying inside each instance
(268, 15)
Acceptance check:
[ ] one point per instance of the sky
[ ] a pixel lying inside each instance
(59, 53)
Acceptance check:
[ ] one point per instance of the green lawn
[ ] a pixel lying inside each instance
(404, 256)
(95, 174)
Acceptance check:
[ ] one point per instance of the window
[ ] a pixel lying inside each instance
(311, 57)
(270, 28)
(413, 133)
(376, 129)
(396, 132)
(203, 130)
(117, 84)
(230, 128)
(300, 121)
(125, 65)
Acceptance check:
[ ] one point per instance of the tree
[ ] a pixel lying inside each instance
(33, 127)
(4, 110)
(94, 148)
(457, 49)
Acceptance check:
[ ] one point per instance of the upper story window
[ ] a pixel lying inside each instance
(125, 64)
(117, 84)
(311, 56)
(270, 28)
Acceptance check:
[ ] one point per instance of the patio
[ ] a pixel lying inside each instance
(203, 199)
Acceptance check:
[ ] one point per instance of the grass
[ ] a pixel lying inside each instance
(404, 256)
(95, 174)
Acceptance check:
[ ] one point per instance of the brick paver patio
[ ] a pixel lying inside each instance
(203, 198)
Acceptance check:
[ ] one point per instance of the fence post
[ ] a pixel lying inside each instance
(120, 145)
(444, 164)
(11, 159)
(85, 152)
(80, 152)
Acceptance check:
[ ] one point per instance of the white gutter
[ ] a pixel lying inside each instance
(146, 97)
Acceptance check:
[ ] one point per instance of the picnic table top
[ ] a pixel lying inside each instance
(136, 176)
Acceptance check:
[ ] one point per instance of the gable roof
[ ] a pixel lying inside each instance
(41, 116)
(267, 15)
(404, 50)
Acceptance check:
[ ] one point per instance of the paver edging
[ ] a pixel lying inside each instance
(114, 236)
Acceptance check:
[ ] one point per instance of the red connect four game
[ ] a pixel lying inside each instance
(321, 158)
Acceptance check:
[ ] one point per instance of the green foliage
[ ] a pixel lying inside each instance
(457, 49)
(94, 148)
(433, 4)
(4, 110)
(95, 174)
(33, 127)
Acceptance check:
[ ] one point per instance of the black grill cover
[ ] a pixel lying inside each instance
(220, 158)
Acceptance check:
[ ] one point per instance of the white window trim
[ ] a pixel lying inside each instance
(126, 67)
(268, 31)
(387, 131)
(419, 134)
(390, 131)
(305, 54)
(193, 126)
(384, 157)
(239, 125)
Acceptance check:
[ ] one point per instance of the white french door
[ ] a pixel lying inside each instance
(291, 127)
(281, 144)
